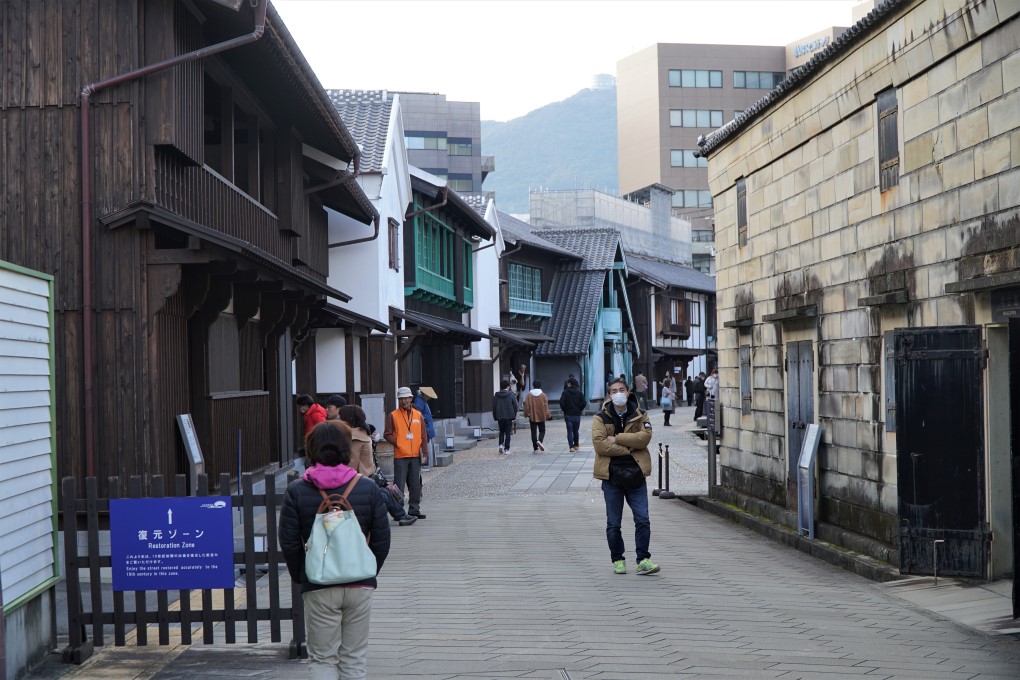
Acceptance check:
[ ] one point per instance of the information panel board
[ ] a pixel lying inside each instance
(806, 482)
(171, 543)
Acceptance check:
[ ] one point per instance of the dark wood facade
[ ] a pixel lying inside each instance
(208, 254)
(511, 356)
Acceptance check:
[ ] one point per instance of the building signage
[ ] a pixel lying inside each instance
(809, 47)
(184, 543)
(806, 482)
(1005, 304)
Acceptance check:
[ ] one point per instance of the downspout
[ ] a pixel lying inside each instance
(87, 216)
(626, 302)
(446, 194)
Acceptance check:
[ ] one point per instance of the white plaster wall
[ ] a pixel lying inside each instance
(485, 313)
(330, 366)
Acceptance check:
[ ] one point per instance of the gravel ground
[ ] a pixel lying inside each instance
(482, 472)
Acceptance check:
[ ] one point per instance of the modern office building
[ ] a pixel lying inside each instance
(670, 94)
(444, 138)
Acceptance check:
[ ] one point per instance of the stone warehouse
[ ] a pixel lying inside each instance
(868, 223)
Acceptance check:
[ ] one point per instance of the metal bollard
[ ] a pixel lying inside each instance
(665, 492)
(656, 492)
(935, 557)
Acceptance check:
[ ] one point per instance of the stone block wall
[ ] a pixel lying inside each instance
(821, 233)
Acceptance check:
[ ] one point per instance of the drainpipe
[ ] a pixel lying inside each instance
(87, 216)
(410, 215)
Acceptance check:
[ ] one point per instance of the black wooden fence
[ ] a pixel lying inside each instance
(94, 511)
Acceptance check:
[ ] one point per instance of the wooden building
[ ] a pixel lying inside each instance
(527, 266)
(440, 232)
(204, 151)
(674, 319)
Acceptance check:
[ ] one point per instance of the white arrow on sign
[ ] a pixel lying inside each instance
(169, 516)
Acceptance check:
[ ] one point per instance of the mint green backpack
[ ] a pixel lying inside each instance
(337, 552)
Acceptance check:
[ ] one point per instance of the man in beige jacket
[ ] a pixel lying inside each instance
(536, 410)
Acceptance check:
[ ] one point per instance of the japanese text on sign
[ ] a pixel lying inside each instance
(171, 543)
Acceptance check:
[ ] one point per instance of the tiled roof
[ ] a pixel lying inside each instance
(597, 246)
(366, 114)
(844, 43)
(575, 297)
(670, 274)
(515, 231)
(479, 202)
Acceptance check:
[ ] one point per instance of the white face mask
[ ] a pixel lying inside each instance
(619, 399)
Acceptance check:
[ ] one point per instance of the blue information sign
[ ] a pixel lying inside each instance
(171, 543)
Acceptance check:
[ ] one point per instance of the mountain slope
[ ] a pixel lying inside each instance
(569, 144)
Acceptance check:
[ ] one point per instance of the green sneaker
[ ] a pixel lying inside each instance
(645, 567)
(619, 567)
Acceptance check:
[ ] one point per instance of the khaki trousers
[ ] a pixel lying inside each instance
(336, 625)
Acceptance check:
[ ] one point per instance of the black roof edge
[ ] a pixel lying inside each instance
(850, 38)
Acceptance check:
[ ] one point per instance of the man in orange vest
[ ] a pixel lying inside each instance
(405, 429)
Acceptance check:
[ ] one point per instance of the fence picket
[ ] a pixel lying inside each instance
(184, 596)
(250, 573)
(229, 614)
(141, 607)
(95, 575)
(119, 620)
(273, 557)
(162, 597)
(207, 595)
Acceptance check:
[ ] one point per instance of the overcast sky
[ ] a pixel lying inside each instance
(514, 56)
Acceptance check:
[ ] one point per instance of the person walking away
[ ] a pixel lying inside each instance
(620, 433)
(504, 412)
(667, 400)
(363, 458)
(689, 388)
(699, 396)
(536, 410)
(641, 390)
(405, 429)
(336, 617)
(421, 402)
(572, 403)
(312, 413)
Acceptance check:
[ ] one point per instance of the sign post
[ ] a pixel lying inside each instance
(806, 482)
(182, 543)
(196, 461)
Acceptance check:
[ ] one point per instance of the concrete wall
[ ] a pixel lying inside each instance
(821, 232)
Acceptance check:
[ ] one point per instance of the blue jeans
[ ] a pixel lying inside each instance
(637, 499)
(573, 427)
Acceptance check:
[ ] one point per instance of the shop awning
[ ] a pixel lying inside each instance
(451, 330)
(689, 352)
(331, 316)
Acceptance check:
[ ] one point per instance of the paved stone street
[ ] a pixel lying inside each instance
(509, 577)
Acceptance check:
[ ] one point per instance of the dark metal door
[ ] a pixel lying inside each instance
(800, 407)
(940, 451)
(1014, 419)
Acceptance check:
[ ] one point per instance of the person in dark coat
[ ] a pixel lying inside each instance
(572, 403)
(699, 396)
(689, 388)
(336, 617)
(504, 412)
